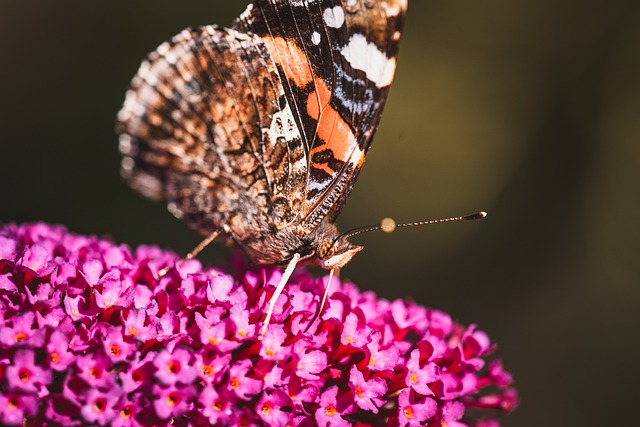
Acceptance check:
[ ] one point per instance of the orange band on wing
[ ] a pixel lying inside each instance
(332, 129)
(291, 58)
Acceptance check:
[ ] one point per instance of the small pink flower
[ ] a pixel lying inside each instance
(92, 270)
(139, 375)
(114, 344)
(24, 374)
(311, 364)
(22, 332)
(34, 257)
(136, 326)
(172, 401)
(382, 359)
(240, 320)
(127, 413)
(269, 409)
(271, 347)
(215, 331)
(241, 382)
(16, 406)
(114, 292)
(367, 394)
(330, 411)
(355, 333)
(175, 367)
(211, 366)
(100, 406)
(95, 369)
(451, 413)
(217, 409)
(414, 413)
(418, 377)
(58, 351)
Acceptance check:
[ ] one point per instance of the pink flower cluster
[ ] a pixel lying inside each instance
(89, 336)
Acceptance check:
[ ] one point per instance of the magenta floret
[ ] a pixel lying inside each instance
(89, 336)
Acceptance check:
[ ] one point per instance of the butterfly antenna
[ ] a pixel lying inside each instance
(388, 225)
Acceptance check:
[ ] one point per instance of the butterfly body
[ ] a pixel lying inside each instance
(259, 131)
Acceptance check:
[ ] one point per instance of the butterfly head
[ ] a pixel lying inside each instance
(336, 254)
(333, 250)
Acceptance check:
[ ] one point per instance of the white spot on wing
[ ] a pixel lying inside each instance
(302, 2)
(315, 38)
(366, 57)
(283, 125)
(396, 8)
(334, 17)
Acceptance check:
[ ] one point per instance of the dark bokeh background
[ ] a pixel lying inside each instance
(527, 109)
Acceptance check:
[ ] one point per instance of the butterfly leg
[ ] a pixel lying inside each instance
(193, 253)
(277, 292)
(323, 301)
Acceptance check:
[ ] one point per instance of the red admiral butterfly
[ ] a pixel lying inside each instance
(258, 131)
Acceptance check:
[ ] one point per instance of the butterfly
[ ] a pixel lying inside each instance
(258, 131)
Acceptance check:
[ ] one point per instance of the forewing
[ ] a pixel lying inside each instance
(336, 60)
(205, 126)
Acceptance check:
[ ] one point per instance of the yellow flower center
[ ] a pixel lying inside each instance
(173, 399)
(173, 367)
(14, 403)
(330, 410)
(114, 350)
(100, 405)
(408, 412)
(207, 371)
(24, 375)
(126, 412)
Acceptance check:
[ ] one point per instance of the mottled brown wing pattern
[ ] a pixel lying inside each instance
(205, 127)
(337, 59)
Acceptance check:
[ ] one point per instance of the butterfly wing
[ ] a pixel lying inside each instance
(336, 60)
(205, 127)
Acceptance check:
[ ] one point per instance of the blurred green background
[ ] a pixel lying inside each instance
(527, 109)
